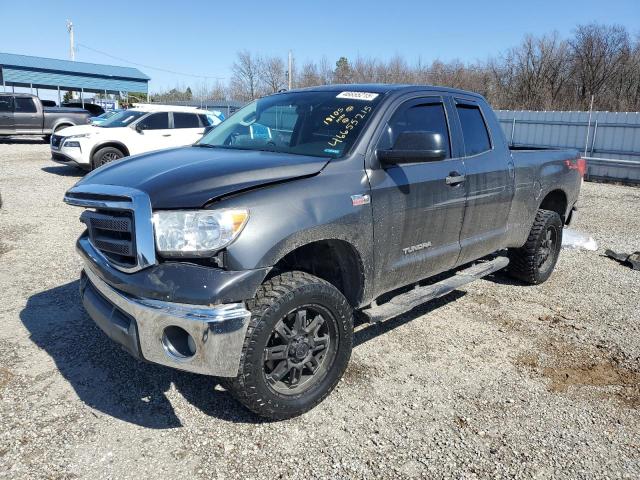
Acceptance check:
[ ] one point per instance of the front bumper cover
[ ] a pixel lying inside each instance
(139, 324)
(134, 309)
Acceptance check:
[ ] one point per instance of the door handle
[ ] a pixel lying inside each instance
(454, 178)
(166, 134)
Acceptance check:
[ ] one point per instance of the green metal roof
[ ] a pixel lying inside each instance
(67, 66)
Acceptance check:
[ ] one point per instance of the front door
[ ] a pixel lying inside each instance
(417, 212)
(155, 135)
(26, 117)
(7, 126)
(489, 183)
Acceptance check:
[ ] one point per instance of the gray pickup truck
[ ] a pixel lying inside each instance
(23, 114)
(246, 255)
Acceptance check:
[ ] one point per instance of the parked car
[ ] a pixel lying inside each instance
(92, 108)
(245, 255)
(130, 132)
(100, 119)
(23, 114)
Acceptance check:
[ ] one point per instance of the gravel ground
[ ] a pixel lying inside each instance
(497, 380)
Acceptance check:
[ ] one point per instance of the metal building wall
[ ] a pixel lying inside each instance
(609, 140)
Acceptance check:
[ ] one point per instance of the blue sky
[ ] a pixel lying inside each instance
(202, 37)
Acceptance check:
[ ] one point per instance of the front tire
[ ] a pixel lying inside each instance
(297, 346)
(104, 156)
(534, 262)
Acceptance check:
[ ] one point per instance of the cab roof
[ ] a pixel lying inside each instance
(384, 88)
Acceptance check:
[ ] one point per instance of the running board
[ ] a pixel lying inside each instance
(419, 295)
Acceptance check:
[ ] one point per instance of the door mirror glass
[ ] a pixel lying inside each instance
(410, 147)
(140, 126)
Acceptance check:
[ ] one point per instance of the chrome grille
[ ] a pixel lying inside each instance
(112, 232)
(119, 226)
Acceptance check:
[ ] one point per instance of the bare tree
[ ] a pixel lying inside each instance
(599, 53)
(246, 75)
(325, 71)
(309, 76)
(542, 72)
(273, 74)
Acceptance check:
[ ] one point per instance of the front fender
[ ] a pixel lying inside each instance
(286, 216)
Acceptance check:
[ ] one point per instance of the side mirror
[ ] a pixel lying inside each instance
(207, 129)
(140, 127)
(413, 147)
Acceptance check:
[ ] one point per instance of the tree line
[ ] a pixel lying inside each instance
(541, 73)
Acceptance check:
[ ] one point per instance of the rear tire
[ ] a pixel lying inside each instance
(104, 156)
(297, 346)
(534, 262)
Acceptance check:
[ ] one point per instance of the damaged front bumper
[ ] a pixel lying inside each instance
(201, 336)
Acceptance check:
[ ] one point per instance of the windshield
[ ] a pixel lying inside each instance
(122, 119)
(106, 115)
(323, 124)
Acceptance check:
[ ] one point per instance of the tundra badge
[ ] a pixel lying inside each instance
(415, 248)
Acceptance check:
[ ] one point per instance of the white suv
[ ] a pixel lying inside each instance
(138, 130)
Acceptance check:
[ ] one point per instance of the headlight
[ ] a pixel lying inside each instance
(197, 232)
(81, 135)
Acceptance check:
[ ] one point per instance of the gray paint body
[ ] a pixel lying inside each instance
(410, 204)
(45, 120)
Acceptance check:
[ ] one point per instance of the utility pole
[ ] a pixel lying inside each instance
(290, 72)
(72, 48)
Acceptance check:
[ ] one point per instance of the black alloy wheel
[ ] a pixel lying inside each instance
(298, 351)
(297, 346)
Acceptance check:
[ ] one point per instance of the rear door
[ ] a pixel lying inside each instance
(417, 214)
(187, 128)
(488, 179)
(7, 126)
(26, 117)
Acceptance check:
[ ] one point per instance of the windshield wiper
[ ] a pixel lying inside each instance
(224, 147)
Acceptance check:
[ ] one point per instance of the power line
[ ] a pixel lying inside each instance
(120, 59)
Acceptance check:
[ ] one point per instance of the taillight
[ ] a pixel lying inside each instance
(582, 166)
(579, 164)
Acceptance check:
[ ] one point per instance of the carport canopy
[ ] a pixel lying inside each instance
(54, 74)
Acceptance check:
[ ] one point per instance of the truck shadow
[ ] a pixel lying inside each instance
(110, 381)
(106, 378)
(64, 171)
(365, 332)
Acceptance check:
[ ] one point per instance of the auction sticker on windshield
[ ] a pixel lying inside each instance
(366, 96)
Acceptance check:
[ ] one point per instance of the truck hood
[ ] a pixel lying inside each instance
(190, 177)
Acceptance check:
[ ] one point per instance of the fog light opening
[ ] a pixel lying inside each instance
(178, 343)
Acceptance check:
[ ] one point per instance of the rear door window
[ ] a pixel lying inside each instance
(25, 105)
(185, 120)
(474, 129)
